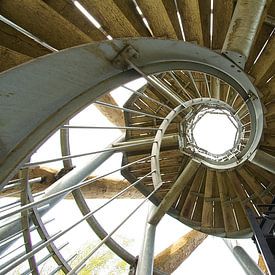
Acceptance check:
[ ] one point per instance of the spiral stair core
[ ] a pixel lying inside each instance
(214, 193)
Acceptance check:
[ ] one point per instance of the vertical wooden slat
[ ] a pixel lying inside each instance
(218, 214)
(207, 211)
(188, 206)
(157, 16)
(239, 190)
(222, 13)
(197, 214)
(43, 22)
(229, 220)
(240, 213)
(110, 17)
(268, 91)
(255, 186)
(69, 11)
(16, 41)
(10, 58)
(205, 10)
(128, 8)
(172, 13)
(260, 40)
(190, 12)
(265, 66)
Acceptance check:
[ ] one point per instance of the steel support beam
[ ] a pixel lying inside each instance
(264, 160)
(246, 262)
(243, 27)
(72, 178)
(174, 192)
(146, 259)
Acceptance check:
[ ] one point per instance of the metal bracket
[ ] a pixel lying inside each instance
(120, 61)
(237, 58)
(252, 96)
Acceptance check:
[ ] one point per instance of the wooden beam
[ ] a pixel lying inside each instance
(43, 22)
(227, 209)
(173, 256)
(175, 190)
(207, 219)
(255, 185)
(260, 40)
(114, 116)
(69, 11)
(189, 203)
(129, 10)
(222, 14)
(16, 41)
(158, 18)
(190, 12)
(265, 66)
(10, 58)
(268, 91)
(110, 17)
(172, 13)
(205, 10)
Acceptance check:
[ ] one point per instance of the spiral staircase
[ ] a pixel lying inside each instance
(224, 66)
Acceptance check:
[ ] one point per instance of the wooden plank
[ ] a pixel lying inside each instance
(239, 190)
(218, 213)
(174, 192)
(157, 17)
(43, 22)
(69, 11)
(172, 13)
(205, 10)
(260, 40)
(228, 216)
(128, 8)
(207, 211)
(16, 41)
(189, 203)
(260, 173)
(10, 58)
(240, 213)
(110, 17)
(268, 91)
(265, 66)
(222, 13)
(190, 12)
(255, 185)
(114, 116)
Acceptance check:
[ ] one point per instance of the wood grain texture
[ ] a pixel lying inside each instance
(157, 16)
(43, 22)
(16, 41)
(70, 12)
(10, 58)
(113, 21)
(192, 27)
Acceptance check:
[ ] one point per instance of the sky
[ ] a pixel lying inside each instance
(212, 255)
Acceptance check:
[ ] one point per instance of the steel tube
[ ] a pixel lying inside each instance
(243, 27)
(110, 127)
(65, 191)
(146, 258)
(99, 230)
(246, 262)
(263, 160)
(80, 265)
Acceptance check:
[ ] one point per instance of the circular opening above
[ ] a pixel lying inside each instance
(215, 131)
